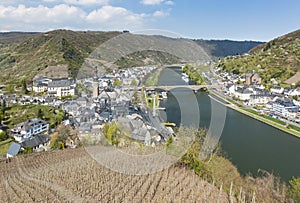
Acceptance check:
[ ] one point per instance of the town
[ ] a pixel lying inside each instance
(249, 91)
(88, 104)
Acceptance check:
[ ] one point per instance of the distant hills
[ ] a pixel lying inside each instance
(278, 59)
(223, 48)
(23, 59)
(23, 55)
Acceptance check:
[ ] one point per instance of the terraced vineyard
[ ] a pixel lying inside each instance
(73, 176)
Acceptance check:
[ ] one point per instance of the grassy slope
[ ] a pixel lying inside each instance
(19, 113)
(56, 47)
(279, 59)
(23, 55)
(147, 57)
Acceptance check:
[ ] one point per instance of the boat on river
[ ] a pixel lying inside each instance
(185, 77)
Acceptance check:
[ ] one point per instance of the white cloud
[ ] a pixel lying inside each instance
(170, 3)
(43, 18)
(115, 17)
(160, 14)
(151, 2)
(50, 1)
(87, 2)
(40, 18)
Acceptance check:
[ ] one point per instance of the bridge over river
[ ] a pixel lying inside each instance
(169, 87)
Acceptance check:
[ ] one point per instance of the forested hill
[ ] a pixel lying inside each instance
(278, 59)
(23, 55)
(223, 48)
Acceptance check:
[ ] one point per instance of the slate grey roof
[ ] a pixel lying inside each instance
(35, 141)
(13, 149)
(60, 83)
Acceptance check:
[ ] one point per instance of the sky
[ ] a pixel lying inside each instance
(260, 20)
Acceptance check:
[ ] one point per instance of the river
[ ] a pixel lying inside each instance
(250, 144)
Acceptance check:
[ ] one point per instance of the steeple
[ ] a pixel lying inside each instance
(95, 84)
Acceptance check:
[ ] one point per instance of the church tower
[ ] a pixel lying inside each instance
(95, 84)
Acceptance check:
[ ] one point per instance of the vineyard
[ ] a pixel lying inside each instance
(73, 176)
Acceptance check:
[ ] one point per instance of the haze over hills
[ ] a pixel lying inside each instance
(223, 48)
(279, 59)
(23, 55)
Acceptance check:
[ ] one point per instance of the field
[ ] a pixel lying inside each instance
(294, 79)
(59, 71)
(73, 176)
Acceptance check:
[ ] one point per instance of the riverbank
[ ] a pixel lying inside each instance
(152, 78)
(255, 116)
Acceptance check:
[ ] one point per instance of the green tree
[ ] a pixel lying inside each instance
(24, 86)
(105, 129)
(294, 190)
(3, 107)
(134, 82)
(191, 158)
(59, 138)
(40, 114)
(111, 133)
(10, 88)
(3, 136)
(27, 150)
(169, 141)
(117, 82)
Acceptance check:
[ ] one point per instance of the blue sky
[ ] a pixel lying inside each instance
(206, 19)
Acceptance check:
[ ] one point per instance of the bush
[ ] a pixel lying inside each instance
(294, 191)
(3, 136)
(59, 138)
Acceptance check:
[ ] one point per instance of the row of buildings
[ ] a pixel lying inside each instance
(276, 101)
(55, 87)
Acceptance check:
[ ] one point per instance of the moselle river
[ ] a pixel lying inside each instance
(250, 144)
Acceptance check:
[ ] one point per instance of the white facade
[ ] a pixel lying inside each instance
(294, 92)
(40, 88)
(243, 94)
(54, 87)
(284, 109)
(259, 99)
(276, 90)
(61, 87)
(29, 128)
(40, 84)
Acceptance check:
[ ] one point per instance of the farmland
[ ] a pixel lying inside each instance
(73, 176)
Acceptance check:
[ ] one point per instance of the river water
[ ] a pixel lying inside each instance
(250, 144)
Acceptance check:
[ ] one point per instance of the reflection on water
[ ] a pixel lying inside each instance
(250, 144)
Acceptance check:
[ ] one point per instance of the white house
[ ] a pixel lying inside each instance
(29, 128)
(40, 84)
(243, 93)
(284, 108)
(37, 143)
(276, 90)
(61, 87)
(260, 99)
(294, 92)
(231, 89)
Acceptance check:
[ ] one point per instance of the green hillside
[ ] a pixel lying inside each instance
(27, 58)
(279, 59)
(23, 55)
